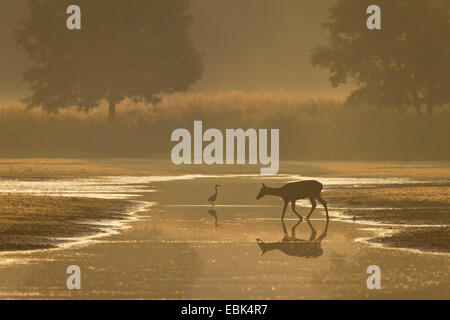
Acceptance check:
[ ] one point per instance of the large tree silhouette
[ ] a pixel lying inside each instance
(405, 64)
(126, 49)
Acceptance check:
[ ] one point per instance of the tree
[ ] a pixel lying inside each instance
(405, 64)
(135, 49)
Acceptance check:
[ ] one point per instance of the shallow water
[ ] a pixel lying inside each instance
(177, 248)
(122, 187)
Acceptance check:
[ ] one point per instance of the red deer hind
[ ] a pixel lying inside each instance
(294, 191)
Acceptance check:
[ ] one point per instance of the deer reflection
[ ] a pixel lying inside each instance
(297, 247)
(213, 214)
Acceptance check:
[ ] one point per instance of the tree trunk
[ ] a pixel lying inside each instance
(112, 111)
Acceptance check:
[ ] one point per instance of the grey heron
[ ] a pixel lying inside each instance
(214, 196)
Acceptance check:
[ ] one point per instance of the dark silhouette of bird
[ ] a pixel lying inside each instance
(214, 196)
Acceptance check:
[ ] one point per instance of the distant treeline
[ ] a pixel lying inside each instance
(310, 128)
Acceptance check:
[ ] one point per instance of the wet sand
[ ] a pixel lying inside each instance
(30, 222)
(418, 214)
(176, 251)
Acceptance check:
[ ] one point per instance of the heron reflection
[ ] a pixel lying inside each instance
(293, 246)
(213, 213)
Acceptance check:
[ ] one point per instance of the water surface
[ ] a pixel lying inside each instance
(181, 247)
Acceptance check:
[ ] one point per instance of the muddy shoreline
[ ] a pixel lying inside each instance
(425, 239)
(418, 216)
(30, 222)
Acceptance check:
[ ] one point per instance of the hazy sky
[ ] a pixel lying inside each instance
(247, 44)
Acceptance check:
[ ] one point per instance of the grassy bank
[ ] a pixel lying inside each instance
(312, 128)
(33, 222)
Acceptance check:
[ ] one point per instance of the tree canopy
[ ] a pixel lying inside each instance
(125, 49)
(405, 64)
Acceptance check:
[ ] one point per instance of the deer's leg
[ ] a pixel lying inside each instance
(324, 203)
(325, 232)
(313, 232)
(293, 237)
(285, 233)
(284, 209)
(293, 209)
(313, 204)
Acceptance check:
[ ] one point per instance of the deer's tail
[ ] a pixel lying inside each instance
(320, 186)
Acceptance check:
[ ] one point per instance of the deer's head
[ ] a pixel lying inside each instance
(262, 192)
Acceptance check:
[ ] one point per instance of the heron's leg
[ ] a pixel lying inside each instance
(313, 204)
(293, 209)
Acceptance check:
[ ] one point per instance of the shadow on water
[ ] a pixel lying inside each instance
(293, 246)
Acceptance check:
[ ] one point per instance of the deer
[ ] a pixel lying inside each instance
(294, 191)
